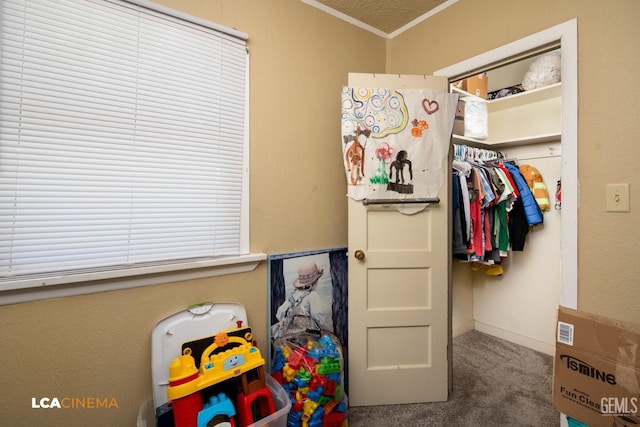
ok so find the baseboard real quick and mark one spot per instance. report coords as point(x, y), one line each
point(516, 338)
point(463, 328)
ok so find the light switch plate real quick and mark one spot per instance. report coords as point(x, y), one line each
point(618, 197)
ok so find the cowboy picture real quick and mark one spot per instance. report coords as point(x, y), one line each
point(308, 292)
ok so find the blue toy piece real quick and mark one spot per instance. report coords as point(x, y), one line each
point(317, 416)
point(315, 395)
point(217, 405)
point(330, 348)
point(317, 353)
point(288, 387)
point(278, 360)
point(294, 419)
point(335, 377)
point(315, 422)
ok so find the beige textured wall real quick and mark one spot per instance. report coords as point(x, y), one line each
point(608, 134)
point(99, 345)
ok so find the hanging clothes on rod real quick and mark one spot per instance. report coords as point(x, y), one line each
point(492, 210)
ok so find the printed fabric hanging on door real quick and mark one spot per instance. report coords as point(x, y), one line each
point(395, 143)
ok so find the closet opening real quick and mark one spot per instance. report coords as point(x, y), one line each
point(520, 305)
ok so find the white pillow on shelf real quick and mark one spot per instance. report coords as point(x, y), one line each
point(543, 71)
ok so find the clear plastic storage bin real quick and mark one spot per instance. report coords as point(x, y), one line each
point(147, 414)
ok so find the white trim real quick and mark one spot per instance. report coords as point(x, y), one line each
point(372, 29)
point(567, 34)
point(523, 340)
point(88, 283)
point(569, 250)
point(421, 18)
point(463, 328)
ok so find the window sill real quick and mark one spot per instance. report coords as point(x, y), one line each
point(89, 283)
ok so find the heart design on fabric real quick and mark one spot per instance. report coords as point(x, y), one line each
point(430, 106)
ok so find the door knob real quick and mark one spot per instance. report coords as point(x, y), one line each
point(359, 255)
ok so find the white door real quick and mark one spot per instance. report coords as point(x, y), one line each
point(398, 290)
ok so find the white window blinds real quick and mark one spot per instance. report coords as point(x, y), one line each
point(122, 138)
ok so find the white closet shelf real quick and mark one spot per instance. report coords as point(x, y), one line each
point(488, 143)
point(505, 113)
point(518, 99)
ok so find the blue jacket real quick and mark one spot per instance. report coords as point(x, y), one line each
point(531, 208)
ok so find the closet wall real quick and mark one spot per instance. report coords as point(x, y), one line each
point(520, 305)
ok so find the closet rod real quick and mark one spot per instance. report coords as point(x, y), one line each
point(461, 152)
point(367, 202)
point(549, 47)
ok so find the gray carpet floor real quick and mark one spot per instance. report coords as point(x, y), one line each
point(495, 383)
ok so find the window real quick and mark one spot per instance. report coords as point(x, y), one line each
point(122, 139)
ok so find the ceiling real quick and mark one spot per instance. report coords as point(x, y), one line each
point(386, 18)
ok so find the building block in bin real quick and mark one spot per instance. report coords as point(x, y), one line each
point(310, 363)
point(335, 377)
point(183, 372)
point(297, 406)
point(330, 388)
point(296, 357)
point(317, 381)
point(316, 420)
point(260, 400)
point(324, 400)
point(330, 406)
point(294, 419)
point(330, 348)
point(309, 407)
point(302, 378)
point(334, 419)
point(329, 365)
point(315, 395)
point(288, 373)
point(317, 415)
point(277, 375)
point(216, 406)
point(342, 407)
point(278, 360)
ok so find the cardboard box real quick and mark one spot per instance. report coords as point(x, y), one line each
point(476, 85)
point(596, 369)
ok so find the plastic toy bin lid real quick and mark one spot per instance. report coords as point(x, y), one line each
point(196, 322)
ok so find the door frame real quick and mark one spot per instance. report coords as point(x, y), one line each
point(567, 34)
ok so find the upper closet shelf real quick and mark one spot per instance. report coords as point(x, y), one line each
point(529, 117)
point(518, 99)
